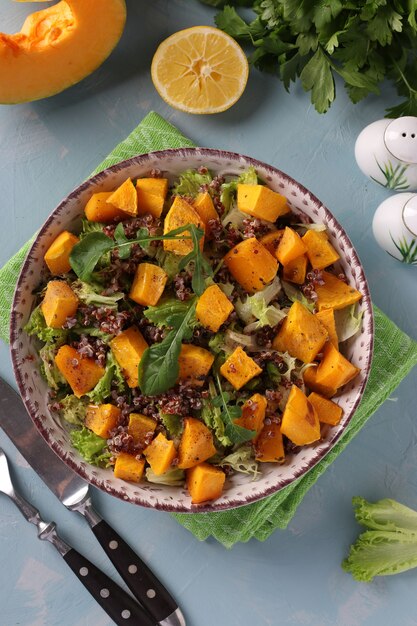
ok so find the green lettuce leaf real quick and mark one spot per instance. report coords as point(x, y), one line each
point(348, 322)
point(211, 416)
point(389, 547)
point(91, 295)
point(173, 423)
point(293, 294)
point(91, 447)
point(174, 477)
point(73, 410)
point(228, 190)
point(189, 183)
point(241, 460)
point(102, 390)
point(37, 326)
point(254, 307)
point(48, 367)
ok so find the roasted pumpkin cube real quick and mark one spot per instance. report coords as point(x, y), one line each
point(271, 240)
point(148, 284)
point(125, 198)
point(326, 317)
point(295, 270)
point(239, 368)
point(334, 369)
point(57, 257)
point(335, 294)
point(251, 265)
point(160, 453)
point(180, 214)
point(98, 209)
point(59, 303)
point(128, 467)
point(310, 376)
point(269, 447)
point(320, 251)
point(151, 195)
point(196, 444)
point(81, 373)
point(253, 414)
point(102, 418)
point(195, 364)
point(203, 205)
point(213, 308)
point(128, 348)
point(205, 482)
point(301, 334)
point(299, 420)
point(261, 202)
point(327, 411)
point(290, 247)
point(141, 428)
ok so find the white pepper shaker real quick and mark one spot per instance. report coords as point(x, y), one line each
point(395, 227)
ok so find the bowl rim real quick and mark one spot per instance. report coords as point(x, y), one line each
point(95, 180)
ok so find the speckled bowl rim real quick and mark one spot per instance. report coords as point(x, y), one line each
point(140, 160)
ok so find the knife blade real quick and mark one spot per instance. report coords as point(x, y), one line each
point(73, 492)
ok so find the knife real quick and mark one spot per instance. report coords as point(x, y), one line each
point(73, 492)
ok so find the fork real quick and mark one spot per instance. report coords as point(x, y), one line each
point(117, 603)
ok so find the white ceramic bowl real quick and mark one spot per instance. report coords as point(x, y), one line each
point(239, 490)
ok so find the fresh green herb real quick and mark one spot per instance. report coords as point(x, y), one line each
point(73, 410)
point(91, 447)
point(87, 253)
point(190, 182)
point(229, 413)
point(159, 366)
point(389, 547)
point(363, 42)
point(37, 326)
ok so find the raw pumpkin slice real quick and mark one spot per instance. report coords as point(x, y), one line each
point(57, 47)
point(200, 70)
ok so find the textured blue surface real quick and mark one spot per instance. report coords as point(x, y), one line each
point(294, 578)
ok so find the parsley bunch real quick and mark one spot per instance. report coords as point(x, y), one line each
point(364, 42)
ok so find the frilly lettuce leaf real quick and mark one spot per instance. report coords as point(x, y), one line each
point(242, 461)
point(249, 309)
point(189, 183)
point(73, 410)
point(174, 477)
point(91, 447)
point(113, 374)
point(48, 367)
point(295, 294)
point(348, 322)
point(228, 190)
point(37, 326)
point(89, 295)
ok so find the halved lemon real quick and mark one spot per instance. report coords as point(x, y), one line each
point(200, 70)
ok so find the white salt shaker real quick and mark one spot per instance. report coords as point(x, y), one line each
point(386, 152)
point(395, 227)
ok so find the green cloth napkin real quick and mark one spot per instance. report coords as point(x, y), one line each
point(394, 356)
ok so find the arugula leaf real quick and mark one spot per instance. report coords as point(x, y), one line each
point(168, 313)
point(229, 413)
point(125, 247)
point(159, 366)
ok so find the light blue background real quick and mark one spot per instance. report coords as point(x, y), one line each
point(294, 578)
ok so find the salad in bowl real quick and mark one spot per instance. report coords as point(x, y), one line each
point(193, 333)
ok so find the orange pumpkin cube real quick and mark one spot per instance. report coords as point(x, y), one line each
point(300, 422)
point(334, 369)
point(195, 363)
point(310, 380)
point(320, 251)
point(148, 284)
point(290, 247)
point(251, 265)
point(253, 414)
point(81, 373)
point(295, 270)
point(239, 368)
point(128, 348)
point(151, 194)
point(213, 308)
point(102, 419)
point(141, 428)
point(261, 202)
point(301, 334)
point(125, 198)
point(98, 209)
point(57, 257)
point(59, 303)
point(128, 467)
point(205, 482)
point(180, 214)
point(271, 240)
point(203, 205)
point(327, 411)
point(160, 453)
point(196, 444)
point(335, 294)
point(269, 446)
point(326, 317)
